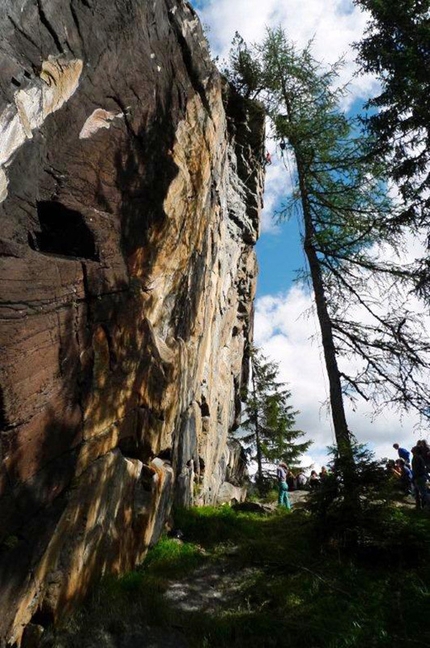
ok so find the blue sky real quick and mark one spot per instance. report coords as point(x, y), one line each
point(279, 257)
point(285, 325)
point(279, 249)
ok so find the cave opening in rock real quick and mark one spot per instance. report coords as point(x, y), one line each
point(63, 232)
point(204, 408)
point(42, 617)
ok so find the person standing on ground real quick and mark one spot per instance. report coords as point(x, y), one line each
point(291, 481)
point(403, 453)
point(393, 470)
point(419, 473)
point(323, 473)
point(425, 453)
point(283, 496)
point(301, 481)
point(406, 477)
point(314, 480)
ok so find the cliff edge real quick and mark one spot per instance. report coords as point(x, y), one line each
point(130, 192)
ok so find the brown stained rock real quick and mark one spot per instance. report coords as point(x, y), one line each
point(110, 511)
point(25, 450)
point(130, 189)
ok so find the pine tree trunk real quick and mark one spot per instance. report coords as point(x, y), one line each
point(342, 434)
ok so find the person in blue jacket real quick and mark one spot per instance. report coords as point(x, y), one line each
point(403, 453)
point(283, 496)
point(406, 478)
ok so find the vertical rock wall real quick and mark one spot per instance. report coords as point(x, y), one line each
point(130, 189)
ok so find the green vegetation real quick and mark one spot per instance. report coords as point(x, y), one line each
point(290, 582)
point(396, 49)
point(270, 419)
point(340, 195)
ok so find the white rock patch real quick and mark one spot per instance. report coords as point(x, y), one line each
point(59, 79)
point(100, 118)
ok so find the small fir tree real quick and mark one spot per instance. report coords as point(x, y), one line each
point(271, 418)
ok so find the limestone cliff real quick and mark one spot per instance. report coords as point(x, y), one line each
point(130, 190)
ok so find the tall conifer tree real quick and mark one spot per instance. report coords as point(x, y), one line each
point(396, 47)
point(341, 198)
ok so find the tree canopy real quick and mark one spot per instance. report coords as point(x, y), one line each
point(341, 195)
point(396, 47)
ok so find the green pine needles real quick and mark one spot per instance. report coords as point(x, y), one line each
point(270, 419)
point(341, 196)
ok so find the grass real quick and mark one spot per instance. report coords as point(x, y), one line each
point(297, 591)
point(172, 559)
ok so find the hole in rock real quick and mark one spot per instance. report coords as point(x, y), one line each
point(15, 82)
point(204, 407)
point(165, 454)
point(63, 232)
point(42, 617)
point(132, 448)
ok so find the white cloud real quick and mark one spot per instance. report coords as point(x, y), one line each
point(278, 185)
point(286, 329)
point(279, 181)
point(333, 25)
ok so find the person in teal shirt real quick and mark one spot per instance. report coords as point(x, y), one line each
point(283, 495)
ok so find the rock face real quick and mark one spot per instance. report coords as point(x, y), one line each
point(130, 190)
